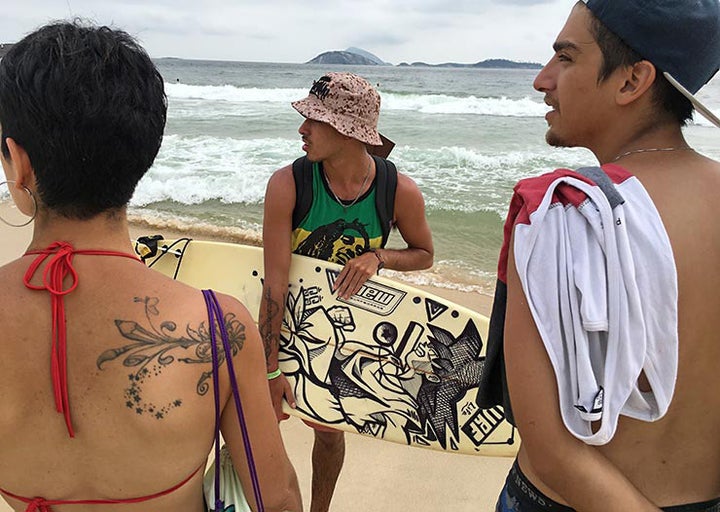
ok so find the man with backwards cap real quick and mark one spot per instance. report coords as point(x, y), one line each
point(342, 225)
point(604, 332)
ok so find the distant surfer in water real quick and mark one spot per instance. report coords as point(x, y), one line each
point(346, 220)
point(608, 279)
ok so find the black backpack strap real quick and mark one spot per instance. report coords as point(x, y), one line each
point(385, 183)
point(303, 175)
point(385, 188)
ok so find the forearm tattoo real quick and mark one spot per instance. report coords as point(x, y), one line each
point(157, 345)
point(272, 310)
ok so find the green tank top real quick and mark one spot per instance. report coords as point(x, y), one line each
point(332, 232)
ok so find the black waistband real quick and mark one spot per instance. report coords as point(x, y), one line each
point(533, 500)
point(705, 506)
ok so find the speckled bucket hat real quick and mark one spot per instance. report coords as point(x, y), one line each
point(347, 102)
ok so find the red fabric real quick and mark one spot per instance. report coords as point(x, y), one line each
point(529, 193)
point(57, 269)
point(42, 505)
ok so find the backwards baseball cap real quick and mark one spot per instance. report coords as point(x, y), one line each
point(680, 37)
point(347, 102)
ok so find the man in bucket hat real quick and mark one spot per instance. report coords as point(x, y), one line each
point(603, 345)
point(336, 204)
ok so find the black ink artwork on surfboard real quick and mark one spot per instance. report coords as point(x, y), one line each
point(392, 362)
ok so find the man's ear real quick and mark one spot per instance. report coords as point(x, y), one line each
point(638, 79)
point(21, 165)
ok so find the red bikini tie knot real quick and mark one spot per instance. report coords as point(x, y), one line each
point(38, 505)
point(57, 269)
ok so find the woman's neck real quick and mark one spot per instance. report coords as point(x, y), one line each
point(104, 231)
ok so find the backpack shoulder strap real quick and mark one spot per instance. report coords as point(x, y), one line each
point(302, 173)
point(386, 186)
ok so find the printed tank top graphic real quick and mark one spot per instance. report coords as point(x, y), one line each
point(331, 232)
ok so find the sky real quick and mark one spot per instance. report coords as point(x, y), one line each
point(432, 31)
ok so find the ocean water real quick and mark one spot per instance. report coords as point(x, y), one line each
point(464, 135)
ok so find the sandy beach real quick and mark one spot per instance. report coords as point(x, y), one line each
point(377, 476)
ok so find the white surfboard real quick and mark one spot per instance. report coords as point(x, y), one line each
point(392, 362)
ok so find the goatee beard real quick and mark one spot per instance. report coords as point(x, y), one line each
point(553, 140)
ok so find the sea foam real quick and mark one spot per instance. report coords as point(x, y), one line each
point(424, 103)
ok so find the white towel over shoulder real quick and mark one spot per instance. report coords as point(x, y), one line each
point(602, 287)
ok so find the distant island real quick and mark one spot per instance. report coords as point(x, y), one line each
point(360, 57)
point(353, 56)
point(344, 58)
point(488, 63)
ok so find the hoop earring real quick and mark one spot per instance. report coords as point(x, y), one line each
point(34, 201)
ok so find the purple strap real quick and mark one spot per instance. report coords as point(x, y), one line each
point(215, 317)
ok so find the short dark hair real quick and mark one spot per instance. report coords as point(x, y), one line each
point(89, 107)
point(616, 53)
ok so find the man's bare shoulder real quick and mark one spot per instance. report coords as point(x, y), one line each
point(698, 177)
point(712, 165)
point(406, 185)
point(287, 169)
point(280, 193)
point(703, 161)
point(282, 177)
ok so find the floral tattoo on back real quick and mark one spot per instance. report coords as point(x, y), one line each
point(158, 344)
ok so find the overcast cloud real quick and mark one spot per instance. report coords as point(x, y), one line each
point(432, 31)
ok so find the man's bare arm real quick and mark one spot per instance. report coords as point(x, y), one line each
point(277, 226)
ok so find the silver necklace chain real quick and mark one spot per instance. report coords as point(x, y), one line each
point(651, 150)
point(346, 206)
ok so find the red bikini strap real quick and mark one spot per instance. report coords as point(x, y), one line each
point(42, 505)
point(57, 269)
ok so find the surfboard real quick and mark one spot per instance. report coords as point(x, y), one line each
point(392, 362)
